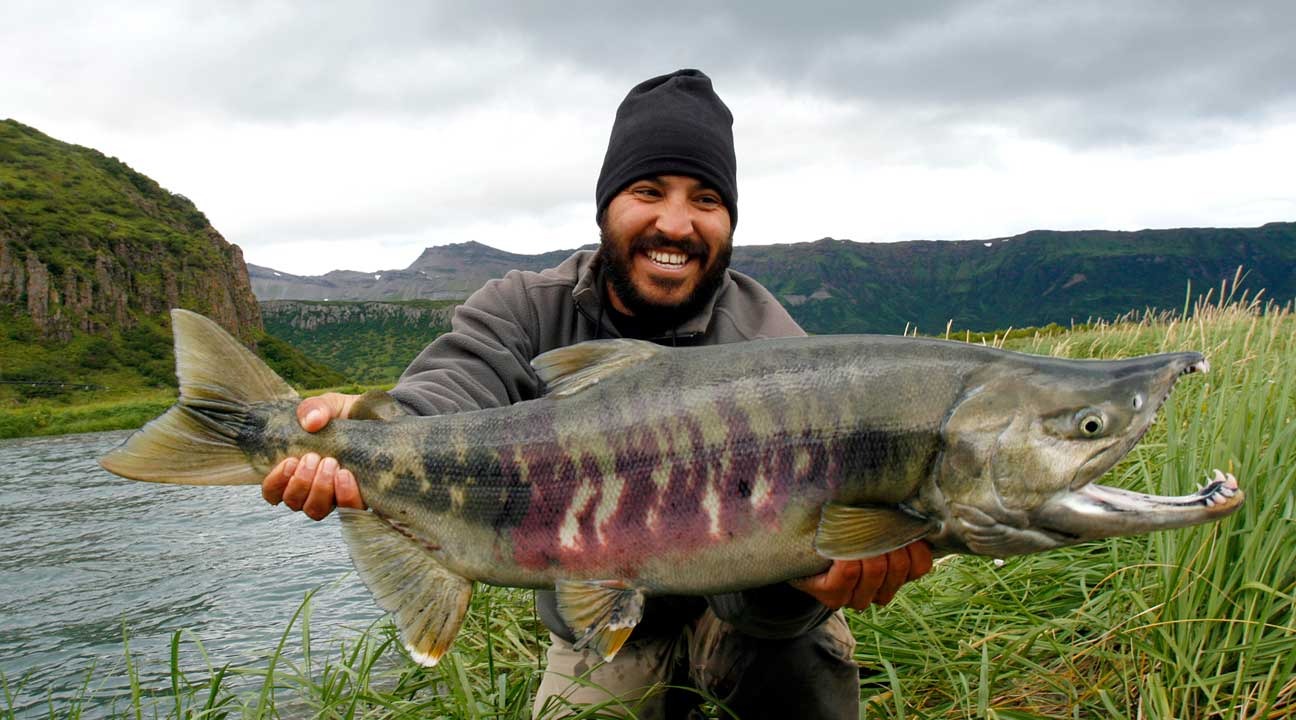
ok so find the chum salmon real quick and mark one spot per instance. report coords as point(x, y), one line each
point(690, 471)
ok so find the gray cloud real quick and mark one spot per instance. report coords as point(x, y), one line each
point(1085, 72)
point(295, 122)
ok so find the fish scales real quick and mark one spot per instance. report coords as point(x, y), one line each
point(706, 497)
point(692, 470)
point(532, 481)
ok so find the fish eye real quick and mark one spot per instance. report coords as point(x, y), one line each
point(1138, 401)
point(1090, 423)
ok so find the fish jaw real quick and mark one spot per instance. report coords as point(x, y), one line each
point(1097, 511)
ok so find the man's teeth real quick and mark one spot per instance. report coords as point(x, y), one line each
point(667, 258)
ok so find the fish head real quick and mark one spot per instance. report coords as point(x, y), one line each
point(1031, 435)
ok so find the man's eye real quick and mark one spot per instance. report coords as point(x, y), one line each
point(709, 199)
point(646, 191)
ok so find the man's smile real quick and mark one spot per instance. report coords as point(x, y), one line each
point(669, 262)
point(667, 258)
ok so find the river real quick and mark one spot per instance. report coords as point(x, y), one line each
point(84, 554)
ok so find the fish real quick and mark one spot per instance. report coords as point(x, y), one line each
point(648, 470)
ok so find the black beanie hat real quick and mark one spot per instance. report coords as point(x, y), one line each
point(671, 125)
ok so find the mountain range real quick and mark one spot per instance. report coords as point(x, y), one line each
point(831, 285)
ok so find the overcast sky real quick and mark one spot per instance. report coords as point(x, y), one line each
point(350, 135)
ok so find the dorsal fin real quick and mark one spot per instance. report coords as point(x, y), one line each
point(566, 371)
point(376, 405)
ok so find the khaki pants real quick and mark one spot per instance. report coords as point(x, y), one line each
point(809, 676)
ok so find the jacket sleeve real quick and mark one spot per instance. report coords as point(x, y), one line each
point(772, 612)
point(483, 362)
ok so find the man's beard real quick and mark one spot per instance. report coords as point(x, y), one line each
point(617, 259)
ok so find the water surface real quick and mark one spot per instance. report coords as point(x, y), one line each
point(84, 553)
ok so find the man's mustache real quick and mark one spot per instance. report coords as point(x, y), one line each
point(658, 241)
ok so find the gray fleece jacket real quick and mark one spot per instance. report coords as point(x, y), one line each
point(485, 362)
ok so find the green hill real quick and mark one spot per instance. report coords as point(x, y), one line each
point(369, 342)
point(92, 256)
point(1037, 278)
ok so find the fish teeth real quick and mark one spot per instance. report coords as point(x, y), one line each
point(1222, 487)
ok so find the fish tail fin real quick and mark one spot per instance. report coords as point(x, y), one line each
point(195, 442)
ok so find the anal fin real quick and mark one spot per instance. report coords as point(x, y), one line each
point(601, 614)
point(851, 532)
point(427, 601)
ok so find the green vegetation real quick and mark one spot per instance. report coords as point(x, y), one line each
point(61, 196)
point(1193, 623)
point(92, 255)
point(108, 382)
point(46, 417)
point(369, 342)
point(76, 414)
point(294, 366)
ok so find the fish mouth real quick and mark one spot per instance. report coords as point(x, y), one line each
point(1097, 511)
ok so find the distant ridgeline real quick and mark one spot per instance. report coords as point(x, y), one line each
point(92, 256)
point(368, 342)
point(1032, 279)
point(835, 286)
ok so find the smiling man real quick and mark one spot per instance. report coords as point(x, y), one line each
point(666, 205)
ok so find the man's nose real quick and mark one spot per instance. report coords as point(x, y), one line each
point(675, 220)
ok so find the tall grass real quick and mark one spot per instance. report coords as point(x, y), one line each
point(1192, 623)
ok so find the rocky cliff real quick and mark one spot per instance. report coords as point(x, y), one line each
point(89, 245)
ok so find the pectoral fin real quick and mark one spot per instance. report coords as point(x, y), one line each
point(427, 602)
point(601, 614)
point(849, 532)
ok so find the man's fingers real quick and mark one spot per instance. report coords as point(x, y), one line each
point(835, 586)
point(897, 573)
point(316, 412)
point(347, 491)
point(299, 484)
point(319, 503)
point(873, 573)
point(875, 580)
point(920, 559)
point(272, 488)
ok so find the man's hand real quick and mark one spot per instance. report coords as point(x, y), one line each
point(872, 581)
point(310, 483)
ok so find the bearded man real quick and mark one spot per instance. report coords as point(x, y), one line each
point(666, 204)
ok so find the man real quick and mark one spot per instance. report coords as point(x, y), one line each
point(666, 206)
